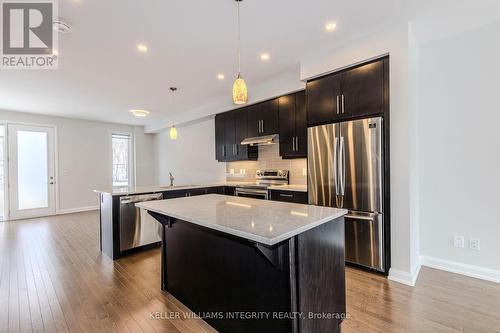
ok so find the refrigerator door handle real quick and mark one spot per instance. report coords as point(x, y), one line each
point(336, 165)
point(342, 165)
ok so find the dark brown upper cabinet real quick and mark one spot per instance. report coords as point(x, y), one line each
point(230, 130)
point(220, 148)
point(263, 118)
point(322, 97)
point(352, 93)
point(241, 133)
point(292, 125)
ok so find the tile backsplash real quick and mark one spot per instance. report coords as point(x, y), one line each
point(269, 158)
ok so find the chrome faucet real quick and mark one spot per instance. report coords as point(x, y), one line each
point(171, 179)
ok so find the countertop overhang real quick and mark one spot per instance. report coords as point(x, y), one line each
point(262, 221)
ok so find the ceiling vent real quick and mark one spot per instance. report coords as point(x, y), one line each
point(61, 27)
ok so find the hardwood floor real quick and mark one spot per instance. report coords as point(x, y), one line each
point(54, 279)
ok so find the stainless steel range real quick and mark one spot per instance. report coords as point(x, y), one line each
point(264, 179)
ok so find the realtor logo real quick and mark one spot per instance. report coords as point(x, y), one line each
point(28, 40)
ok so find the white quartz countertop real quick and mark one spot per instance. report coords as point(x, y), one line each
point(161, 188)
point(295, 188)
point(262, 221)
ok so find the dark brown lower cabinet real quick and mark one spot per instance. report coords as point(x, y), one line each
point(289, 196)
point(221, 277)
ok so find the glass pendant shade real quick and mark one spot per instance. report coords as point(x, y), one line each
point(173, 133)
point(240, 93)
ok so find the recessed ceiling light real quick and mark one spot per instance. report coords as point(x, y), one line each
point(264, 56)
point(220, 76)
point(331, 26)
point(142, 48)
point(139, 113)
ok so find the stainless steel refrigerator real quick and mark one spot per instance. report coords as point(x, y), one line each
point(345, 170)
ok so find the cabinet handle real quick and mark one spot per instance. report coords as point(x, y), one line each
point(343, 104)
point(223, 150)
point(296, 143)
point(236, 148)
point(338, 104)
point(286, 195)
point(262, 122)
point(293, 143)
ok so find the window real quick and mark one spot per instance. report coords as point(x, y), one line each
point(121, 145)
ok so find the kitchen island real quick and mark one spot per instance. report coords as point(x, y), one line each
point(249, 265)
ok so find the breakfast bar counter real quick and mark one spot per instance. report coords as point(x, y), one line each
point(249, 265)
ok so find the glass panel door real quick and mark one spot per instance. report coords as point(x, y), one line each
point(2, 174)
point(31, 171)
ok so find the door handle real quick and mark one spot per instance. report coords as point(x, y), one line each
point(338, 104)
point(342, 165)
point(359, 217)
point(336, 165)
point(343, 104)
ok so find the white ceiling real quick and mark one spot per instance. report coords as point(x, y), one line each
point(101, 75)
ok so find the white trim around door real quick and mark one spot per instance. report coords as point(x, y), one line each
point(32, 170)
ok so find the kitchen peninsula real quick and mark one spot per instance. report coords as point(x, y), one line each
point(249, 265)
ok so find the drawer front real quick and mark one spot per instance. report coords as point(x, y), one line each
point(174, 194)
point(228, 190)
point(289, 196)
point(215, 190)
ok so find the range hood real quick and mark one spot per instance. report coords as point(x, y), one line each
point(260, 140)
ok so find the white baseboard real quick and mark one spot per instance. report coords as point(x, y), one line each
point(405, 277)
point(460, 268)
point(76, 210)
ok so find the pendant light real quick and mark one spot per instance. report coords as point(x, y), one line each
point(173, 130)
point(240, 93)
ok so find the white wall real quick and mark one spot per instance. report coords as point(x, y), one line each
point(459, 145)
point(190, 158)
point(394, 41)
point(84, 156)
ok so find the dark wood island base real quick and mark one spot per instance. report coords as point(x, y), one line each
point(239, 285)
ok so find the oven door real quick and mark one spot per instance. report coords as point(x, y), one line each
point(251, 193)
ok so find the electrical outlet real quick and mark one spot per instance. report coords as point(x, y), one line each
point(459, 241)
point(475, 244)
point(304, 172)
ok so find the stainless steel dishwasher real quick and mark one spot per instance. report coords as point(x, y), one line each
point(137, 227)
